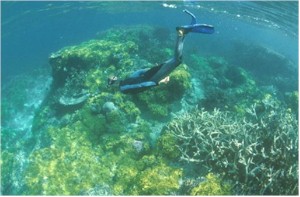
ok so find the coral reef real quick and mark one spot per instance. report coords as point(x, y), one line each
point(116, 163)
point(165, 146)
point(149, 40)
point(158, 100)
point(68, 166)
point(211, 186)
point(6, 164)
point(268, 66)
point(90, 139)
point(292, 99)
point(160, 180)
point(225, 86)
point(261, 152)
point(94, 53)
point(145, 178)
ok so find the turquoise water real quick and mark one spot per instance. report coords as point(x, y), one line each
point(225, 123)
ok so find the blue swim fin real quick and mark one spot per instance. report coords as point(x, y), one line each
point(194, 27)
point(203, 28)
point(192, 15)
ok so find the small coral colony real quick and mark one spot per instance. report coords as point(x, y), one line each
point(218, 127)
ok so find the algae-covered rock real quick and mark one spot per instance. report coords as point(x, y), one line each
point(73, 100)
point(154, 43)
point(68, 167)
point(225, 86)
point(158, 100)
point(94, 53)
point(269, 67)
point(6, 164)
point(160, 180)
point(108, 107)
point(166, 145)
point(211, 186)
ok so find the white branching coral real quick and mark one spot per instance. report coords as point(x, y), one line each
point(259, 153)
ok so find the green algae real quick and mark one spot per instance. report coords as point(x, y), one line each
point(68, 166)
point(159, 180)
point(6, 165)
point(211, 186)
point(158, 100)
point(94, 53)
point(73, 160)
point(165, 146)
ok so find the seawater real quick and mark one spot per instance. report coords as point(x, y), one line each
point(244, 32)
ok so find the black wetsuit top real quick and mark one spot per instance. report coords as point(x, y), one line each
point(152, 77)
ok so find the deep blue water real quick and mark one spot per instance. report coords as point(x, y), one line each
point(32, 30)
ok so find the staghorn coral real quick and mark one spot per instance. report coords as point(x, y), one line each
point(292, 99)
point(259, 153)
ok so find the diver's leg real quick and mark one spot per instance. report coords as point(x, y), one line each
point(179, 45)
point(138, 73)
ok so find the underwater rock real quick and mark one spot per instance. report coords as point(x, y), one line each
point(108, 107)
point(67, 101)
point(137, 145)
point(98, 190)
point(268, 66)
point(195, 93)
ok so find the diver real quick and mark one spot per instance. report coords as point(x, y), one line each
point(144, 79)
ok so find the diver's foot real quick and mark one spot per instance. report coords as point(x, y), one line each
point(111, 80)
point(164, 80)
point(183, 30)
point(197, 28)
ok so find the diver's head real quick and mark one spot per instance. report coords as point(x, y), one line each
point(112, 80)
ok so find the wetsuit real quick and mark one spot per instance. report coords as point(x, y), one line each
point(144, 79)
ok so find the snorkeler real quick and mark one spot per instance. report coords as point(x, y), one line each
point(144, 79)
